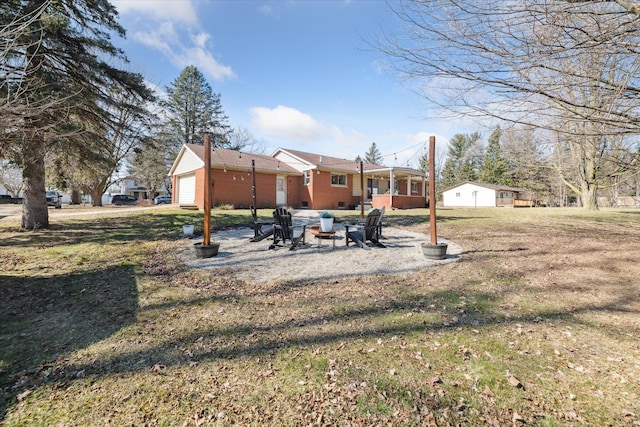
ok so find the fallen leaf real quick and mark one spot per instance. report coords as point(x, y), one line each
point(24, 395)
point(434, 380)
point(516, 417)
point(487, 392)
point(514, 382)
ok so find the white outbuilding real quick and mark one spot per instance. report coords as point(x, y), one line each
point(478, 194)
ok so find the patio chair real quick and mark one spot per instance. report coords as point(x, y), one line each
point(283, 229)
point(367, 232)
point(258, 232)
point(362, 222)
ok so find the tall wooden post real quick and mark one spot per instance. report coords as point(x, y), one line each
point(432, 189)
point(361, 191)
point(206, 241)
point(253, 184)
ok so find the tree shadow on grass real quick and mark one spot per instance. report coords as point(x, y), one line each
point(259, 337)
point(143, 227)
point(42, 320)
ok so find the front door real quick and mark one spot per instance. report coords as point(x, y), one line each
point(281, 190)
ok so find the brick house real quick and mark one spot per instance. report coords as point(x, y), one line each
point(334, 183)
point(293, 178)
point(232, 178)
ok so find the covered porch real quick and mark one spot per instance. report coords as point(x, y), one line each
point(395, 188)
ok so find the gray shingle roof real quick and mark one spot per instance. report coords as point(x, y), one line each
point(233, 159)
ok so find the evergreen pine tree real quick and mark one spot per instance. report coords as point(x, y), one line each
point(461, 162)
point(193, 110)
point(424, 163)
point(495, 169)
point(61, 57)
point(373, 155)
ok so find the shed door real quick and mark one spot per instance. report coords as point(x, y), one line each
point(187, 190)
point(281, 190)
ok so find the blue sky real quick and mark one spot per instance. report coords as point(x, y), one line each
point(296, 74)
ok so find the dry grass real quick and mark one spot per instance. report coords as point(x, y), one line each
point(538, 324)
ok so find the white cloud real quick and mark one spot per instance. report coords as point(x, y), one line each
point(205, 61)
point(167, 40)
point(289, 127)
point(288, 123)
point(200, 40)
point(159, 39)
point(175, 10)
point(169, 32)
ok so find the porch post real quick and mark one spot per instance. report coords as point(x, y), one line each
point(361, 191)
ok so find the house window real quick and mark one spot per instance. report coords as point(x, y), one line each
point(414, 187)
point(457, 194)
point(307, 177)
point(338, 180)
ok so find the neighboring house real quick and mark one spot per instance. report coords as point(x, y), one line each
point(478, 194)
point(292, 178)
point(127, 185)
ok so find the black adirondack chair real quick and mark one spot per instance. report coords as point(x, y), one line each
point(369, 232)
point(284, 230)
point(261, 229)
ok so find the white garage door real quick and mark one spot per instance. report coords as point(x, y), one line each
point(187, 190)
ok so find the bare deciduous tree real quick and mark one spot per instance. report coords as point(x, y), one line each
point(90, 160)
point(10, 178)
point(568, 68)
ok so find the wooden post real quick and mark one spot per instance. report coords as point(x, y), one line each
point(432, 189)
point(206, 241)
point(253, 184)
point(361, 191)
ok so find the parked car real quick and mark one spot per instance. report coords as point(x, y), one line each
point(54, 199)
point(123, 199)
point(162, 199)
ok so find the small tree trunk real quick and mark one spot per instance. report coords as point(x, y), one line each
point(34, 202)
point(96, 197)
point(76, 199)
